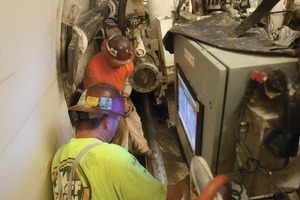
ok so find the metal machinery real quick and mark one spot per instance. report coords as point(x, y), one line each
point(145, 24)
point(142, 22)
point(240, 134)
point(86, 24)
point(218, 77)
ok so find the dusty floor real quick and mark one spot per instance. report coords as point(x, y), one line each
point(171, 151)
point(175, 165)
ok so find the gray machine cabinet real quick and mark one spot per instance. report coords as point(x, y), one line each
point(219, 79)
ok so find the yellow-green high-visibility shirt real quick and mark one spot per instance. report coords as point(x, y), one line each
point(105, 172)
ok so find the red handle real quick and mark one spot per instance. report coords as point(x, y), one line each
point(213, 187)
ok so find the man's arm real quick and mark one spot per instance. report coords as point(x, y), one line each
point(127, 89)
point(180, 190)
point(126, 93)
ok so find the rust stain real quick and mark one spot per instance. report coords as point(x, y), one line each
point(6, 78)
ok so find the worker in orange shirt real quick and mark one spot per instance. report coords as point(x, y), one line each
point(113, 65)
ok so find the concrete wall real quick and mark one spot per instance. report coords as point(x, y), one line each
point(34, 120)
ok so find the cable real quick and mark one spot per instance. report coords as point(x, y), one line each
point(253, 164)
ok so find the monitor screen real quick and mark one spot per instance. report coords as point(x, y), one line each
point(190, 112)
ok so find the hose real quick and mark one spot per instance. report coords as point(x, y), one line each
point(156, 166)
point(121, 15)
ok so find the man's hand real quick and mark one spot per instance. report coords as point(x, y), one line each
point(126, 106)
point(125, 95)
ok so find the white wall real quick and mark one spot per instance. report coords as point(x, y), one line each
point(34, 119)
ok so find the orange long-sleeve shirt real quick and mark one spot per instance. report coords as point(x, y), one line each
point(98, 70)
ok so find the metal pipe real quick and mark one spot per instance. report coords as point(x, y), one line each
point(121, 15)
point(139, 46)
point(72, 63)
point(155, 166)
point(90, 23)
point(146, 75)
point(83, 32)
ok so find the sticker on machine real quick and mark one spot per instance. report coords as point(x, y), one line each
point(190, 58)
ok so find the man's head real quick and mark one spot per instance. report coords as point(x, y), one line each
point(117, 50)
point(99, 102)
point(100, 98)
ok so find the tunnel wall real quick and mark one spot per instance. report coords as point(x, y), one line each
point(34, 120)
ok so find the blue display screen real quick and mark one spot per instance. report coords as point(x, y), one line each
point(188, 109)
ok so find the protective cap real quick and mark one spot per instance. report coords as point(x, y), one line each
point(101, 98)
point(118, 49)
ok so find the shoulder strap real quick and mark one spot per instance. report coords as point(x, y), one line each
point(74, 166)
point(73, 169)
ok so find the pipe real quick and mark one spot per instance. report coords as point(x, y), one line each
point(155, 166)
point(139, 46)
point(84, 31)
point(121, 15)
point(72, 63)
point(145, 76)
point(90, 23)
